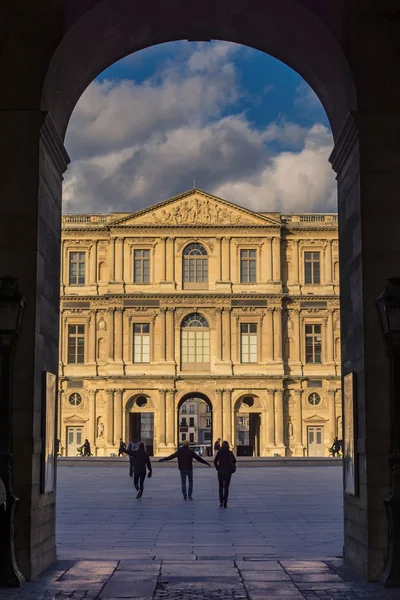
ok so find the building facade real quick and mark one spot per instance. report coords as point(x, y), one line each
point(199, 302)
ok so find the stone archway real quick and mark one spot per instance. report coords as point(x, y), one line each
point(250, 426)
point(195, 422)
point(139, 421)
point(48, 58)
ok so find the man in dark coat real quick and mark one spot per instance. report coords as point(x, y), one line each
point(185, 458)
point(140, 460)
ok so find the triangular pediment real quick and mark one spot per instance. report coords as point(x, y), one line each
point(195, 208)
point(76, 419)
point(315, 418)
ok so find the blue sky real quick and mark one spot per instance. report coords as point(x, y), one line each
point(243, 124)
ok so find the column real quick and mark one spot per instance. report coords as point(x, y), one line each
point(219, 241)
point(60, 432)
point(271, 418)
point(298, 423)
point(226, 259)
point(110, 417)
point(170, 419)
point(270, 334)
point(171, 335)
point(118, 258)
point(118, 415)
point(271, 260)
point(163, 333)
point(170, 259)
point(330, 344)
point(112, 259)
point(219, 333)
point(276, 258)
point(118, 333)
point(264, 262)
point(110, 328)
point(93, 264)
point(165, 259)
point(92, 337)
point(278, 333)
point(92, 419)
point(227, 338)
point(329, 274)
point(162, 439)
point(217, 415)
point(296, 264)
point(226, 416)
point(279, 433)
point(332, 416)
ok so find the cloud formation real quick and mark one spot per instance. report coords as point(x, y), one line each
point(134, 144)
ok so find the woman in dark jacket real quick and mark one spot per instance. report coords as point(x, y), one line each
point(141, 460)
point(225, 464)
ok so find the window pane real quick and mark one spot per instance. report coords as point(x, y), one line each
point(253, 327)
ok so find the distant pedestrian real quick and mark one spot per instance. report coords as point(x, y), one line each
point(122, 447)
point(86, 448)
point(133, 445)
point(217, 446)
point(225, 463)
point(185, 456)
point(140, 460)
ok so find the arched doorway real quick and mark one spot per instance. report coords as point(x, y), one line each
point(139, 421)
point(195, 422)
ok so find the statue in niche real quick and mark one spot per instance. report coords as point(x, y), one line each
point(100, 429)
point(102, 324)
point(290, 430)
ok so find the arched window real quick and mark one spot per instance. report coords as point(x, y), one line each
point(195, 342)
point(195, 266)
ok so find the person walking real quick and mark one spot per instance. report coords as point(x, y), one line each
point(122, 447)
point(140, 460)
point(185, 456)
point(133, 445)
point(225, 463)
point(217, 446)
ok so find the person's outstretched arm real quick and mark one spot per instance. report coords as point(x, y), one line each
point(130, 452)
point(148, 464)
point(199, 459)
point(170, 457)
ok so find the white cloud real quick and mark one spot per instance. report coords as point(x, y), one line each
point(135, 144)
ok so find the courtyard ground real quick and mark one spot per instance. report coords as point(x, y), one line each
point(280, 537)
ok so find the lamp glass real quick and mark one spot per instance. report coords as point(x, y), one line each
point(9, 315)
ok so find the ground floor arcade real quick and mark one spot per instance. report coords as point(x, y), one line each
point(258, 417)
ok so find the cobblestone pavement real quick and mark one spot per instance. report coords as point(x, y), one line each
point(274, 541)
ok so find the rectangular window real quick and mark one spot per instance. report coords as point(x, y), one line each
point(208, 422)
point(312, 267)
point(183, 437)
point(76, 344)
point(207, 436)
point(191, 421)
point(248, 342)
point(184, 423)
point(141, 266)
point(183, 409)
point(248, 266)
point(141, 343)
point(191, 438)
point(191, 409)
point(313, 344)
point(195, 349)
point(77, 262)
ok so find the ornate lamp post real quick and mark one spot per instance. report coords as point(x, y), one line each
point(11, 309)
point(388, 304)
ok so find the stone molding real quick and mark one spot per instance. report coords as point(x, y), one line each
point(54, 144)
point(344, 145)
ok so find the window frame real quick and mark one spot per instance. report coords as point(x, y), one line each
point(248, 335)
point(141, 336)
point(247, 261)
point(195, 365)
point(76, 336)
point(313, 335)
point(141, 260)
point(312, 262)
point(77, 262)
point(200, 263)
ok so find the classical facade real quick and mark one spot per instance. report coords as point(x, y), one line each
point(199, 302)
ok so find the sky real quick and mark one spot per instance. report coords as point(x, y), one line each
point(221, 117)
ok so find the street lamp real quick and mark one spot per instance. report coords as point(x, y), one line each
point(388, 304)
point(11, 309)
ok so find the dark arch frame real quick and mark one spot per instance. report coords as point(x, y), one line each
point(190, 396)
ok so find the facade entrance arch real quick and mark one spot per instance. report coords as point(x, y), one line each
point(195, 422)
point(140, 421)
point(50, 56)
point(250, 426)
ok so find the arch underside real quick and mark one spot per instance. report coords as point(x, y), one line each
point(113, 29)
